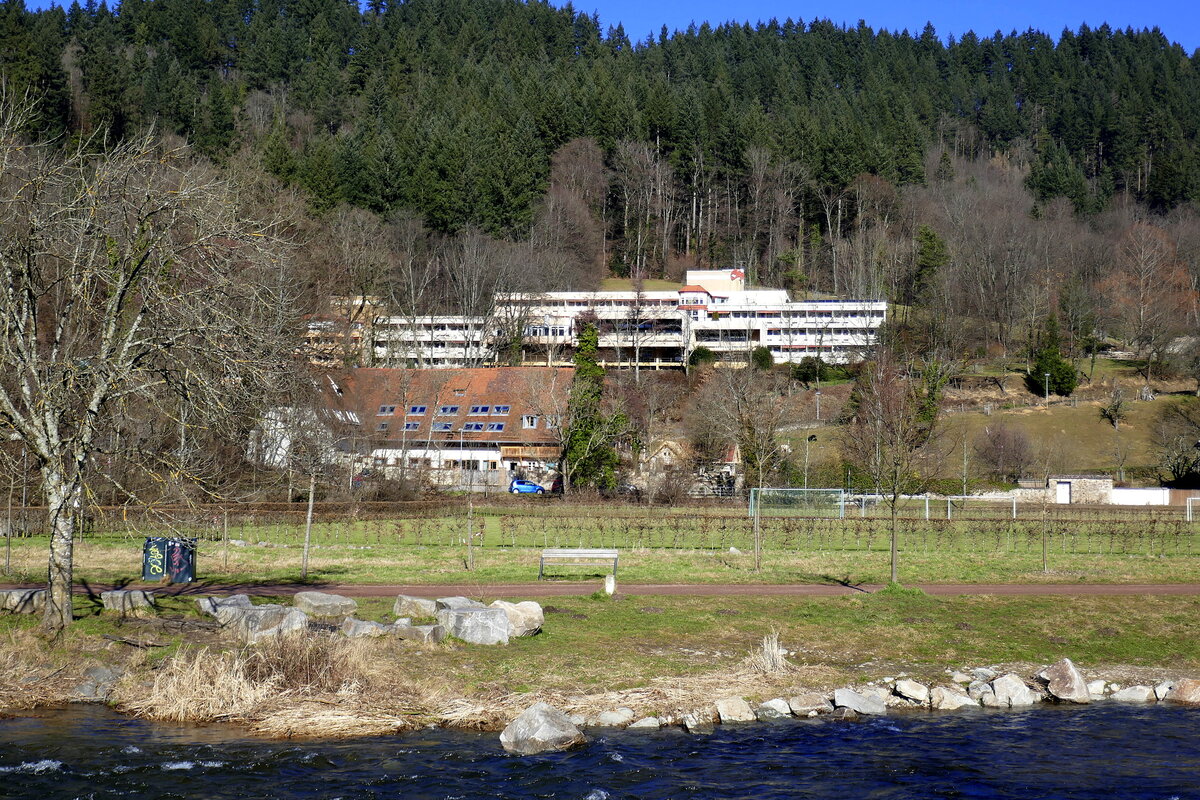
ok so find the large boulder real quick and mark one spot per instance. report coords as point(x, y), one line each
point(409, 606)
point(475, 625)
point(98, 683)
point(524, 619)
point(1184, 691)
point(224, 609)
point(946, 699)
point(1065, 682)
point(734, 709)
point(1135, 694)
point(911, 690)
point(809, 704)
point(538, 729)
point(261, 622)
point(615, 719)
point(425, 634)
point(698, 724)
point(858, 702)
point(645, 724)
point(128, 602)
point(325, 607)
point(773, 709)
point(456, 602)
point(1011, 692)
point(23, 601)
point(359, 629)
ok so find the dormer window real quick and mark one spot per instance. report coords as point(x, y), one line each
point(447, 411)
point(499, 411)
point(416, 411)
point(385, 411)
point(480, 409)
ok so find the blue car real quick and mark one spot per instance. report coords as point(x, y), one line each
point(525, 487)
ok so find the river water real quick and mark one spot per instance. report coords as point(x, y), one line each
point(1105, 751)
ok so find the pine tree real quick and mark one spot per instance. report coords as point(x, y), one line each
point(1050, 370)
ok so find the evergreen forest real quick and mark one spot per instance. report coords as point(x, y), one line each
point(431, 151)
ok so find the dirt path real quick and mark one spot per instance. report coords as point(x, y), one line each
point(564, 588)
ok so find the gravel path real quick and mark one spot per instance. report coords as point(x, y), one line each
point(567, 588)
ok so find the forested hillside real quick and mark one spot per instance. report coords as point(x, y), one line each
point(994, 180)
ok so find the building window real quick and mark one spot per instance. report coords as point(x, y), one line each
point(479, 409)
point(383, 426)
point(417, 411)
point(529, 421)
point(495, 426)
point(412, 426)
point(473, 426)
point(441, 426)
point(498, 411)
point(385, 411)
point(446, 411)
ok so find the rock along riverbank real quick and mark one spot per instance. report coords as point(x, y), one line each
point(766, 687)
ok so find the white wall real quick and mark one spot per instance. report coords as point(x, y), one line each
point(1141, 497)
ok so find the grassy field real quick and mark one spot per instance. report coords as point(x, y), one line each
point(664, 546)
point(1063, 438)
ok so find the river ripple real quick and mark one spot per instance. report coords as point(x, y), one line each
point(1105, 751)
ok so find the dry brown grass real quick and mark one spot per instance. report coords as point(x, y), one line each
point(313, 684)
point(31, 674)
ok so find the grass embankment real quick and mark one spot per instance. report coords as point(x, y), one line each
point(1096, 545)
point(660, 655)
point(1065, 437)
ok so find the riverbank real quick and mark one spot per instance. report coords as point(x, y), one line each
point(662, 656)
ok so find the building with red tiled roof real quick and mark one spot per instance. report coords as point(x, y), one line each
point(468, 428)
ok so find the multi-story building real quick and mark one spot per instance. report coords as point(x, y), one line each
point(470, 429)
point(650, 329)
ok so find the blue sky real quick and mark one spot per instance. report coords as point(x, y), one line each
point(1178, 19)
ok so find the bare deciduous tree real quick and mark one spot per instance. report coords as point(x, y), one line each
point(129, 283)
point(1004, 450)
point(891, 436)
point(1149, 293)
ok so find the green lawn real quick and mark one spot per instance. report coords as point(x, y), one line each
point(658, 547)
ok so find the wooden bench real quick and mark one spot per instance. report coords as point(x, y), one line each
point(578, 557)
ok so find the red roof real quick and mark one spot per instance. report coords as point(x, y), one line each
point(694, 289)
point(431, 399)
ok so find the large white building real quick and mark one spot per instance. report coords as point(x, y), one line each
point(653, 329)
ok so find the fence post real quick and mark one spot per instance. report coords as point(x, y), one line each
point(225, 540)
point(927, 506)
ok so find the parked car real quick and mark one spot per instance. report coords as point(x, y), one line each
point(525, 487)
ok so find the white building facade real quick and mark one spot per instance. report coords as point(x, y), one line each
point(650, 329)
